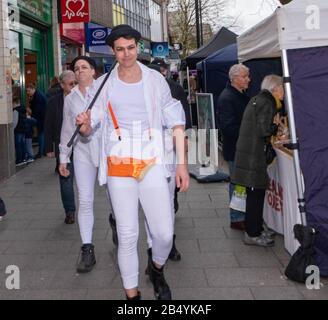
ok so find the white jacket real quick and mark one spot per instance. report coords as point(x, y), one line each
point(86, 149)
point(162, 109)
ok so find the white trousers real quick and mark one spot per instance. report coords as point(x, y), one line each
point(153, 193)
point(172, 184)
point(85, 175)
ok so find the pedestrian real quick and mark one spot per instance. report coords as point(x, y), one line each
point(231, 106)
point(86, 155)
point(130, 110)
point(250, 170)
point(54, 88)
point(19, 123)
point(30, 125)
point(53, 124)
point(38, 105)
point(3, 210)
point(179, 94)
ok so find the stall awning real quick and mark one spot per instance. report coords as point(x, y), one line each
point(299, 24)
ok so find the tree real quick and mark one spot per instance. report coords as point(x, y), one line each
point(182, 21)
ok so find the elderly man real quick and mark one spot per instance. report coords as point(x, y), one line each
point(53, 125)
point(232, 103)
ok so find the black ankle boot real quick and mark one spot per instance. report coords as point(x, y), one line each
point(87, 259)
point(137, 297)
point(161, 288)
point(174, 255)
point(150, 259)
point(112, 223)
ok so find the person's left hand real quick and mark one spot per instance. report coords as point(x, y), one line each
point(182, 177)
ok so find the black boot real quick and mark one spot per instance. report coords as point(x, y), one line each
point(174, 255)
point(87, 259)
point(150, 259)
point(137, 297)
point(161, 288)
point(112, 224)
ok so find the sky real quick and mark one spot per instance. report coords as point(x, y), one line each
point(247, 13)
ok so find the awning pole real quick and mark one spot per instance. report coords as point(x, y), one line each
point(294, 142)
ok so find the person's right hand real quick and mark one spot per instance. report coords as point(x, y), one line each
point(84, 120)
point(63, 170)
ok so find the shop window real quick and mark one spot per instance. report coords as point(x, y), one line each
point(15, 64)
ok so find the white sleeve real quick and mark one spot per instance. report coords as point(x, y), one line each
point(172, 110)
point(67, 131)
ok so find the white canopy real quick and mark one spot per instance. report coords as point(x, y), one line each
point(299, 24)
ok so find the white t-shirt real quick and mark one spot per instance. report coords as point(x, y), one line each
point(129, 107)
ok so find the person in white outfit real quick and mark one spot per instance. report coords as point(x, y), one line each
point(135, 106)
point(86, 154)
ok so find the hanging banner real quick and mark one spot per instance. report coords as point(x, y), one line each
point(73, 11)
point(273, 202)
point(160, 49)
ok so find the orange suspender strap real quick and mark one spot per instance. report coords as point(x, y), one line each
point(117, 128)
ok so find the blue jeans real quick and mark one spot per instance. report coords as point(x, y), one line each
point(29, 149)
point(67, 191)
point(235, 215)
point(20, 147)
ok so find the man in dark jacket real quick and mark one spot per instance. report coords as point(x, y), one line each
point(231, 106)
point(38, 106)
point(53, 125)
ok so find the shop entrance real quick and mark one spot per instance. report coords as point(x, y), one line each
point(31, 68)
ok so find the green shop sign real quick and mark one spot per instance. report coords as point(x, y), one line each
point(38, 9)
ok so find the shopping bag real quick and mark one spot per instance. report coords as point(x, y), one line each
point(238, 199)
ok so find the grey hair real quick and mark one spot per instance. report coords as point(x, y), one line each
point(235, 70)
point(65, 74)
point(271, 82)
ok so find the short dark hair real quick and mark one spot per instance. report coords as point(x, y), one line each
point(122, 31)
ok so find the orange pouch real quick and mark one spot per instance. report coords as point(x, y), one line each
point(128, 167)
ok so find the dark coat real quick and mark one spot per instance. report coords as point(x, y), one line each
point(53, 91)
point(53, 123)
point(21, 124)
point(231, 107)
point(38, 106)
point(256, 129)
point(178, 93)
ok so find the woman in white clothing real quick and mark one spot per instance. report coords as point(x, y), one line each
point(85, 158)
point(135, 104)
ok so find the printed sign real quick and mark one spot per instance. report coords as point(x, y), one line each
point(75, 11)
point(160, 49)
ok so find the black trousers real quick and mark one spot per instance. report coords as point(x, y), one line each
point(254, 211)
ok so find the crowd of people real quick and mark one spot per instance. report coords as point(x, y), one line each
point(133, 142)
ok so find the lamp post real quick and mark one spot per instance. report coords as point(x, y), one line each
point(197, 23)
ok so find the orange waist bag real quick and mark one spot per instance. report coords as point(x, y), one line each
point(126, 167)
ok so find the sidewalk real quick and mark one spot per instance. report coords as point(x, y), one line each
point(215, 263)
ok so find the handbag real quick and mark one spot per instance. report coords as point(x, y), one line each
point(126, 166)
point(270, 153)
point(238, 199)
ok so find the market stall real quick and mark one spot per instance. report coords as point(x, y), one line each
point(302, 43)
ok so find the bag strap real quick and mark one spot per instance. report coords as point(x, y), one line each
point(115, 123)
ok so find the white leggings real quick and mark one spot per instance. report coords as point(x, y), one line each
point(153, 193)
point(85, 175)
point(172, 184)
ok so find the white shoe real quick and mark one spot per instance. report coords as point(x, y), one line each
point(1, 218)
point(261, 240)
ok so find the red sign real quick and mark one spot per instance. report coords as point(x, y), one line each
point(75, 11)
point(73, 31)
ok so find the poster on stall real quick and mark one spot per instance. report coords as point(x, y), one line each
point(274, 198)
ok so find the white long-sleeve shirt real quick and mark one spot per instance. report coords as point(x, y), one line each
point(162, 111)
point(86, 149)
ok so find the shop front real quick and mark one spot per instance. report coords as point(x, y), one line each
point(30, 45)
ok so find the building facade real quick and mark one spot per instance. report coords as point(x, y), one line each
point(35, 46)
